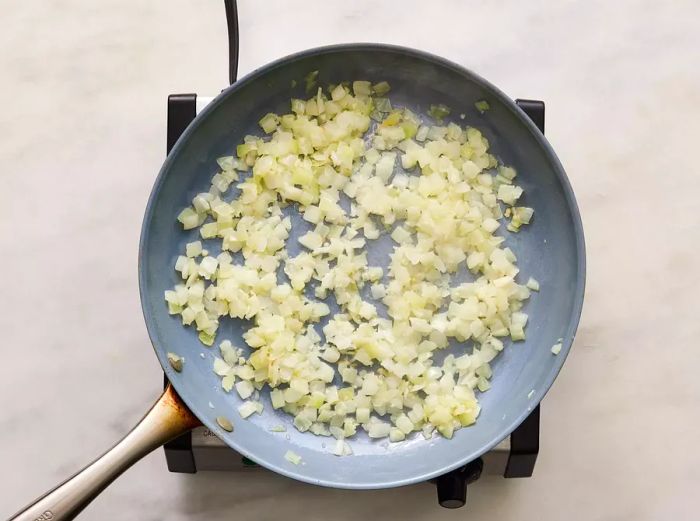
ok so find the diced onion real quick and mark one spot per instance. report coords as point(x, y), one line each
point(292, 457)
point(342, 448)
point(248, 408)
point(482, 106)
point(434, 189)
point(533, 284)
point(244, 389)
point(193, 249)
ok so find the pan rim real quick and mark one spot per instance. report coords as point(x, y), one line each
point(577, 298)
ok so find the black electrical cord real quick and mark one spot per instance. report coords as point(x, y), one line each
point(232, 26)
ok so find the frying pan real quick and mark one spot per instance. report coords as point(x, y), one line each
point(551, 249)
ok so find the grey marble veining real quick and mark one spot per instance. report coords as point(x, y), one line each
point(84, 86)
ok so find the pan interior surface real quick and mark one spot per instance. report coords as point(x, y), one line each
point(550, 249)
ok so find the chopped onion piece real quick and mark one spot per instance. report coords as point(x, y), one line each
point(439, 112)
point(533, 284)
point(292, 457)
point(342, 448)
point(378, 429)
point(248, 408)
point(193, 249)
point(244, 389)
point(381, 88)
point(189, 218)
point(396, 435)
point(482, 106)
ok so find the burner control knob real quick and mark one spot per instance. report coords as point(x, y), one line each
point(452, 487)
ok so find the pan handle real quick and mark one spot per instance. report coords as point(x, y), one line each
point(167, 419)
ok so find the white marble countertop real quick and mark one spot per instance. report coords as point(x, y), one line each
point(621, 80)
